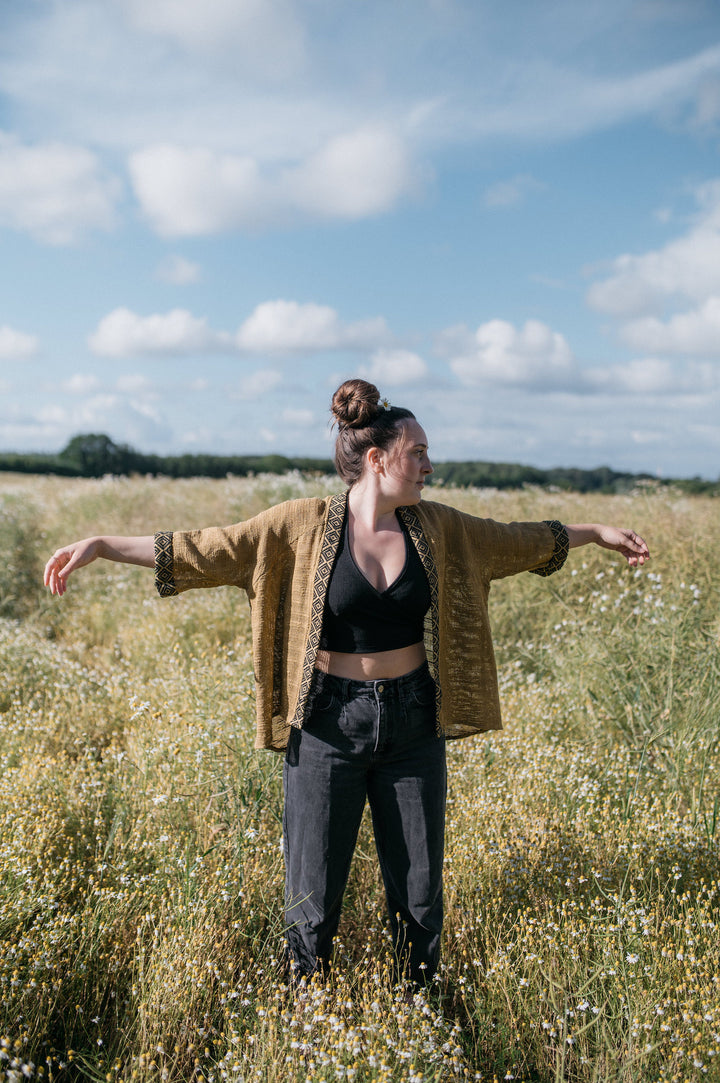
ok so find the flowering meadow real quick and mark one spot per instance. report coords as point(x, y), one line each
point(140, 859)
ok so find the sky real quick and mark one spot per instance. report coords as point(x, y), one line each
point(506, 215)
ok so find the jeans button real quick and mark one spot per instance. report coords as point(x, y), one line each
point(381, 688)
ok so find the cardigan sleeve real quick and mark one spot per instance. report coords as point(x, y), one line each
point(490, 549)
point(239, 555)
point(212, 557)
point(508, 548)
point(220, 556)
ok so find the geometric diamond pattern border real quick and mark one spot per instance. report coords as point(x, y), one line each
point(329, 548)
point(560, 552)
point(432, 622)
point(164, 579)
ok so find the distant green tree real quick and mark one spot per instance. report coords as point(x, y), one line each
point(94, 454)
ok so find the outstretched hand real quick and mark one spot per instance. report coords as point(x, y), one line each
point(626, 542)
point(66, 560)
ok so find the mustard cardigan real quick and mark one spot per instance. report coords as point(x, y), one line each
point(283, 558)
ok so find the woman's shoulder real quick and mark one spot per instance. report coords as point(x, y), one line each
point(438, 519)
point(433, 513)
point(444, 515)
point(298, 515)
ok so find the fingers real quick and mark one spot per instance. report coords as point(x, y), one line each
point(637, 542)
point(636, 551)
point(58, 568)
point(52, 576)
point(639, 546)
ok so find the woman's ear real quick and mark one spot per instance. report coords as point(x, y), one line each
point(376, 460)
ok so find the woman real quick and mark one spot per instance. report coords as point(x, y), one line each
point(371, 647)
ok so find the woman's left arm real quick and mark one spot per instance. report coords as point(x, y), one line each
point(626, 542)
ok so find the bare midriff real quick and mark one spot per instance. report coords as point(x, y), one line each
point(385, 665)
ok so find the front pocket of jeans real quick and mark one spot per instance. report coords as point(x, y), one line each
point(326, 710)
point(325, 701)
point(424, 695)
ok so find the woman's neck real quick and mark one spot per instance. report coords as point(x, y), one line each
point(368, 506)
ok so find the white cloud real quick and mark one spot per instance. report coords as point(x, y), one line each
point(16, 345)
point(101, 412)
point(298, 419)
point(273, 327)
point(138, 421)
point(289, 327)
point(264, 34)
point(192, 192)
point(51, 425)
point(395, 368)
point(123, 333)
point(262, 76)
point(509, 193)
point(178, 271)
point(354, 175)
point(696, 333)
point(707, 104)
point(543, 99)
point(644, 376)
point(653, 376)
point(133, 383)
point(643, 437)
point(54, 191)
point(537, 359)
point(686, 268)
point(187, 192)
point(644, 288)
point(498, 353)
point(90, 73)
point(52, 413)
point(259, 383)
point(82, 383)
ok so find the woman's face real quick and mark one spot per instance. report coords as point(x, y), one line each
point(406, 464)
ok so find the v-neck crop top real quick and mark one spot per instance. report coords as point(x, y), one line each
point(359, 619)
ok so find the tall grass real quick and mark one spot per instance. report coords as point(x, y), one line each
point(140, 864)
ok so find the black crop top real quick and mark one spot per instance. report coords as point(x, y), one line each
point(359, 619)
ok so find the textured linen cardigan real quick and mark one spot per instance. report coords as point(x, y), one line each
point(283, 558)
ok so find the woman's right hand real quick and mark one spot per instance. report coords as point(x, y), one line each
point(140, 550)
point(66, 560)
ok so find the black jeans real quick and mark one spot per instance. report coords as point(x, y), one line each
point(374, 740)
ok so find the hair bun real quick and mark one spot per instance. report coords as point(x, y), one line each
point(355, 404)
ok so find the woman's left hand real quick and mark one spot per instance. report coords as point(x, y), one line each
point(626, 542)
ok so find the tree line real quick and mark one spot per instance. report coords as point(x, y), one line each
point(93, 455)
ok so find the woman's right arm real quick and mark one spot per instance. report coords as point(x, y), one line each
point(79, 553)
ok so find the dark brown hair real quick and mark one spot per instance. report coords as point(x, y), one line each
point(363, 422)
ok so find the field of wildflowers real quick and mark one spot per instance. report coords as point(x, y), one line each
point(140, 863)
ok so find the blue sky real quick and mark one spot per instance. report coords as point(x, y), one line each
point(506, 215)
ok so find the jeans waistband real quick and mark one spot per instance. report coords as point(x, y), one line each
point(348, 688)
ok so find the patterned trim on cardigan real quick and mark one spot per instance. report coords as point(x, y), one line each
point(330, 542)
point(164, 578)
point(432, 623)
point(560, 552)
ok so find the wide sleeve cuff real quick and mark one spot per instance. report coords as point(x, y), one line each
point(560, 552)
point(164, 576)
